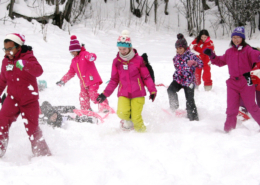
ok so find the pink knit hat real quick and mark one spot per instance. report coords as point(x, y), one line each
point(16, 37)
point(74, 44)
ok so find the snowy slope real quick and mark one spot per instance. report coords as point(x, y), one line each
point(172, 151)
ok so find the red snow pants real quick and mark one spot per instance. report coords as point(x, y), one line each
point(90, 93)
point(30, 114)
point(237, 88)
point(206, 76)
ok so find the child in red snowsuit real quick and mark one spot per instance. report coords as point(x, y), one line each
point(83, 64)
point(197, 46)
point(19, 71)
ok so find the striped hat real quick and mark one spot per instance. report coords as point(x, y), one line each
point(124, 40)
point(74, 44)
point(16, 37)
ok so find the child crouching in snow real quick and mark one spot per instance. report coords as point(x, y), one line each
point(83, 64)
point(240, 59)
point(185, 63)
point(130, 72)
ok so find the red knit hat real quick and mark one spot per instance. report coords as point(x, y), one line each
point(16, 37)
point(74, 44)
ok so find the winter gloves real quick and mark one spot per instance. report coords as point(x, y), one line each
point(20, 64)
point(152, 96)
point(253, 77)
point(210, 53)
point(60, 83)
point(101, 98)
point(248, 78)
point(192, 63)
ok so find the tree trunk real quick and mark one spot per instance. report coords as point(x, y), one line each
point(205, 6)
point(166, 7)
point(216, 2)
point(11, 14)
point(155, 10)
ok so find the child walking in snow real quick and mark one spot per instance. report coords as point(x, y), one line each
point(83, 64)
point(130, 72)
point(19, 71)
point(185, 63)
point(197, 46)
point(240, 59)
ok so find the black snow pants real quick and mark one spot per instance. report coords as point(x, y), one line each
point(190, 103)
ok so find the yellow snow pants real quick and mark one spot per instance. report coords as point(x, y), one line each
point(131, 109)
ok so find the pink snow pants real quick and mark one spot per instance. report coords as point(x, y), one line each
point(236, 88)
point(90, 92)
point(30, 114)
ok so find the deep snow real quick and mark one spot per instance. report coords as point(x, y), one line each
point(172, 151)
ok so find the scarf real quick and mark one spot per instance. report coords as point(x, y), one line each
point(129, 56)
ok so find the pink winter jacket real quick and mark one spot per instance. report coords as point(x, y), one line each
point(238, 61)
point(131, 77)
point(83, 64)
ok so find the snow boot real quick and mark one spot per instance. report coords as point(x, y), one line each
point(127, 125)
point(208, 87)
point(192, 115)
point(39, 145)
point(3, 147)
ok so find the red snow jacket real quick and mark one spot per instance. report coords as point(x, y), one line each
point(22, 84)
point(199, 47)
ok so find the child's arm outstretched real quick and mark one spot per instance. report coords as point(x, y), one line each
point(70, 74)
point(216, 60)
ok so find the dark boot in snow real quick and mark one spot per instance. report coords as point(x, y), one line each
point(193, 115)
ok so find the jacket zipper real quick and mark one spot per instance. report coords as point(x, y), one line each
point(80, 75)
point(139, 84)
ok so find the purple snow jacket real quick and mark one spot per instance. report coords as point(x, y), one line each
point(131, 76)
point(184, 74)
point(238, 61)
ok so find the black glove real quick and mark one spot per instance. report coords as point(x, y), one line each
point(248, 78)
point(152, 97)
point(101, 98)
point(208, 51)
point(60, 83)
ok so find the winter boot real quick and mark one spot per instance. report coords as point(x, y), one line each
point(4, 137)
point(193, 115)
point(3, 147)
point(230, 123)
point(208, 87)
point(39, 145)
point(174, 102)
point(127, 125)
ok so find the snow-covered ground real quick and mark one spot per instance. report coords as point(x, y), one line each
point(172, 151)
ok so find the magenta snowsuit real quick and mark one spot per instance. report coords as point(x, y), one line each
point(239, 61)
point(83, 64)
point(131, 77)
point(22, 98)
